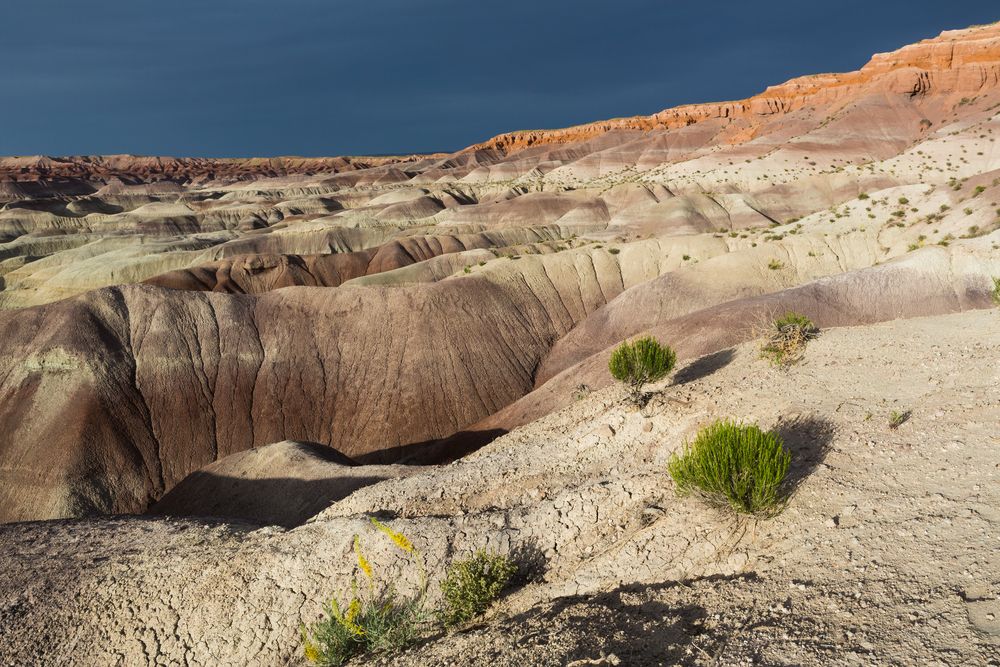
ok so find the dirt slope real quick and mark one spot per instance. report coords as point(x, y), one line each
point(886, 553)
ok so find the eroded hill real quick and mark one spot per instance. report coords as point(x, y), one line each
point(161, 314)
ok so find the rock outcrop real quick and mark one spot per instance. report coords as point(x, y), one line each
point(958, 62)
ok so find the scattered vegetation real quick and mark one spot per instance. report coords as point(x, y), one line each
point(376, 620)
point(734, 465)
point(995, 293)
point(470, 586)
point(640, 361)
point(786, 338)
point(775, 265)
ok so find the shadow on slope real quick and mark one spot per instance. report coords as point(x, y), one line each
point(704, 366)
point(433, 452)
point(627, 622)
point(808, 439)
point(282, 484)
point(281, 501)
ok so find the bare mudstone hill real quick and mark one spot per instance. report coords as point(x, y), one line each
point(243, 360)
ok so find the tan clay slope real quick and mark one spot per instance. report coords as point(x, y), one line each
point(932, 281)
point(886, 553)
point(957, 61)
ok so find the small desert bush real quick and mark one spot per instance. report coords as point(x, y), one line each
point(733, 465)
point(640, 361)
point(775, 265)
point(377, 624)
point(376, 620)
point(996, 291)
point(470, 586)
point(897, 419)
point(785, 340)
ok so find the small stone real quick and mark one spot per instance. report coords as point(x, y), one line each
point(647, 427)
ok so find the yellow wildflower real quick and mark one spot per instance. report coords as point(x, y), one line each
point(309, 647)
point(398, 538)
point(363, 563)
point(352, 613)
point(312, 652)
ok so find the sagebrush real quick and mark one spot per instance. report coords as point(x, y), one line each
point(734, 465)
point(641, 361)
point(471, 585)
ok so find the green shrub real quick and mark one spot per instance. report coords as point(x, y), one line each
point(786, 339)
point(640, 361)
point(470, 586)
point(375, 620)
point(996, 291)
point(734, 465)
point(775, 264)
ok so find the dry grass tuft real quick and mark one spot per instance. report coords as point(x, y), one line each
point(785, 338)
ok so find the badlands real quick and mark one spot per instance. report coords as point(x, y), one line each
point(215, 371)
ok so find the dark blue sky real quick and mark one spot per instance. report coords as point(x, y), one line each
point(334, 77)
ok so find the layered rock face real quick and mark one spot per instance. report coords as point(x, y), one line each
point(957, 62)
point(160, 314)
point(54, 175)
